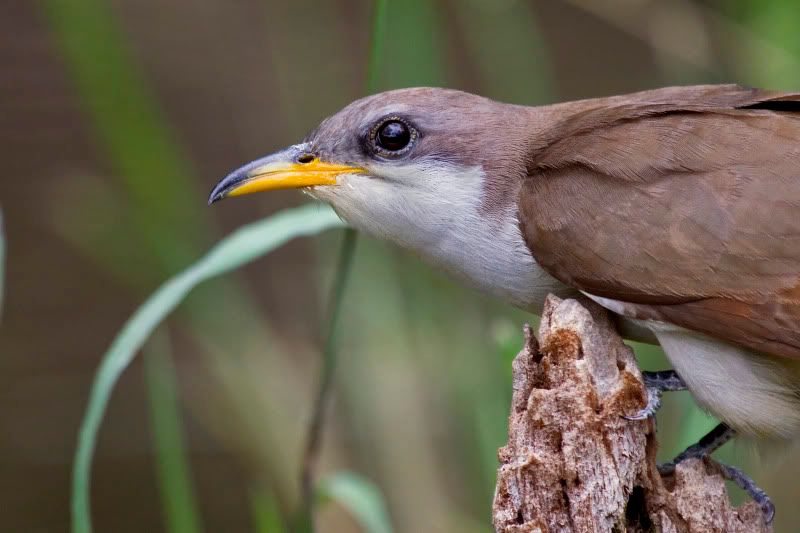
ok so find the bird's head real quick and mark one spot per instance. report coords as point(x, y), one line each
point(393, 162)
point(435, 171)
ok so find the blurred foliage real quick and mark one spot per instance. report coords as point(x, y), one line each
point(423, 386)
point(164, 223)
point(770, 57)
point(360, 497)
point(266, 515)
point(508, 50)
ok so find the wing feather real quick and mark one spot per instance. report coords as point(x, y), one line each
point(684, 203)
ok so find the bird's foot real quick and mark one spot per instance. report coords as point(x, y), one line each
point(712, 441)
point(746, 483)
point(656, 383)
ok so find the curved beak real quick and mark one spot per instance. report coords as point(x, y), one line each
point(293, 168)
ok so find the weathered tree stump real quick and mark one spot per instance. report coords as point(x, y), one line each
point(573, 464)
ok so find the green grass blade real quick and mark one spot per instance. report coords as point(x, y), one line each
point(419, 60)
point(379, 19)
point(503, 38)
point(265, 511)
point(172, 465)
point(361, 498)
point(243, 246)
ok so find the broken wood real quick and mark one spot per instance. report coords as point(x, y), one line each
point(573, 464)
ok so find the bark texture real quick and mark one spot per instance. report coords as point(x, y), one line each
point(573, 464)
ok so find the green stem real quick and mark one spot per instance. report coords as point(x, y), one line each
point(305, 518)
point(329, 360)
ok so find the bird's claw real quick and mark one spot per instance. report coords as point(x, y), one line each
point(742, 480)
point(656, 383)
point(746, 483)
point(711, 442)
point(653, 405)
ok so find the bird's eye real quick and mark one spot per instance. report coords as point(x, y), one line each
point(393, 136)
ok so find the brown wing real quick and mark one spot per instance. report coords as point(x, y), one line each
point(684, 206)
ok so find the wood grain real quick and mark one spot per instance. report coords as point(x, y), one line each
point(572, 464)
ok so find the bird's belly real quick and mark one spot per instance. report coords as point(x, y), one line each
point(751, 392)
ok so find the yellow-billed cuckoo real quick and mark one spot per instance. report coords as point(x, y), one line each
point(677, 209)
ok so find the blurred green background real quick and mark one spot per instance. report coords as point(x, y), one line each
point(116, 118)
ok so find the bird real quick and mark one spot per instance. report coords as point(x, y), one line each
point(676, 209)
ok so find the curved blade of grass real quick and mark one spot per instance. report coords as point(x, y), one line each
point(241, 247)
point(360, 497)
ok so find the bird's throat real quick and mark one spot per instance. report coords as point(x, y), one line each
point(438, 213)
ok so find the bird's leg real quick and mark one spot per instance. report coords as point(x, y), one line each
point(712, 441)
point(707, 445)
point(657, 383)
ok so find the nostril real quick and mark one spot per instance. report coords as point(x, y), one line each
point(305, 158)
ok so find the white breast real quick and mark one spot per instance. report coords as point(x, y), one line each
point(493, 257)
point(433, 210)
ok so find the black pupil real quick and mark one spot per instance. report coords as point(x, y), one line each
point(394, 136)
